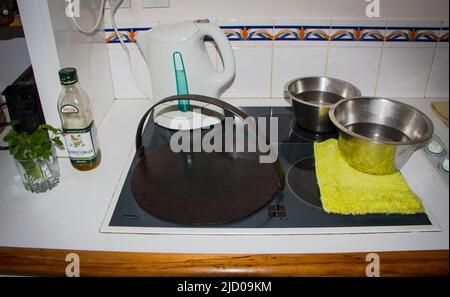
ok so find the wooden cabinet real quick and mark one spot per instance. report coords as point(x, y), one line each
point(95, 263)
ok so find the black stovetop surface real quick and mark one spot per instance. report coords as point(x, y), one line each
point(287, 209)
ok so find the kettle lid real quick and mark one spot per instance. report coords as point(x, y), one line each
point(174, 32)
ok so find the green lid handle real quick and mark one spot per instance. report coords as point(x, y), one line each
point(181, 79)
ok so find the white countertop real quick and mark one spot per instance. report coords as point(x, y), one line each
point(70, 216)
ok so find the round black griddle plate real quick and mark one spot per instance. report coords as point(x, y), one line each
point(202, 188)
point(302, 180)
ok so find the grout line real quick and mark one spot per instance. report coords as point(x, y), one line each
point(131, 99)
point(377, 82)
point(427, 86)
point(106, 113)
point(327, 58)
point(272, 54)
point(111, 73)
point(430, 71)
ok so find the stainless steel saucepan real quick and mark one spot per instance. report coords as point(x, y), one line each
point(312, 98)
point(378, 135)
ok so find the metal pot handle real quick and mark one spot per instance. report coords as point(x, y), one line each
point(140, 149)
point(222, 104)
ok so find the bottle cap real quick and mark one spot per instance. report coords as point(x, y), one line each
point(68, 76)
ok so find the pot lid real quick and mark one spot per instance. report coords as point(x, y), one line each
point(205, 187)
point(202, 188)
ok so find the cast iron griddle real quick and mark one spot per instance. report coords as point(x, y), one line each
point(202, 188)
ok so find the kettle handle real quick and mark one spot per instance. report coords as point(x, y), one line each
point(229, 64)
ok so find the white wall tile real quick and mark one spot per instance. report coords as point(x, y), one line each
point(288, 9)
point(295, 62)
point(438, 85)
point(357, 65)
point(263, 67)
point(404, 72)
point(253, 72)
point(125, 85)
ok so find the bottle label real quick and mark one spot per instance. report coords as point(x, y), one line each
point(80, 144)
point(69, 109)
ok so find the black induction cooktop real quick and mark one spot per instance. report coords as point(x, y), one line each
point(297, 206)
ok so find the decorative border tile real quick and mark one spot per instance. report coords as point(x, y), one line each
point(244, 33)
point(345, 33)
point(128, 34)
point(297, 33)
point(443, 35)
point(412, 34)
point(313, 33)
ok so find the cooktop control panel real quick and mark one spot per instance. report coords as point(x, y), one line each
point(437, 155)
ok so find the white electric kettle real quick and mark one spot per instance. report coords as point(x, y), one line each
point(179, 64)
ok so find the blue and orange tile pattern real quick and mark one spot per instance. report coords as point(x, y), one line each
point(248, 33)
point(313, 33)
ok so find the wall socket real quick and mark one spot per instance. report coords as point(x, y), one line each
point(155, 3)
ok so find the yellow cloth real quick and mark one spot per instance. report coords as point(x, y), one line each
point(347, 191)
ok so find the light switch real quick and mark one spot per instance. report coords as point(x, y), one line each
point(155, 3)
point(125, 4)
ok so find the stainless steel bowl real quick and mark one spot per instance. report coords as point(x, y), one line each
point(312, 97)
point(377, 135)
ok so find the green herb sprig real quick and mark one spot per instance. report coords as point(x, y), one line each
point(24, 146)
